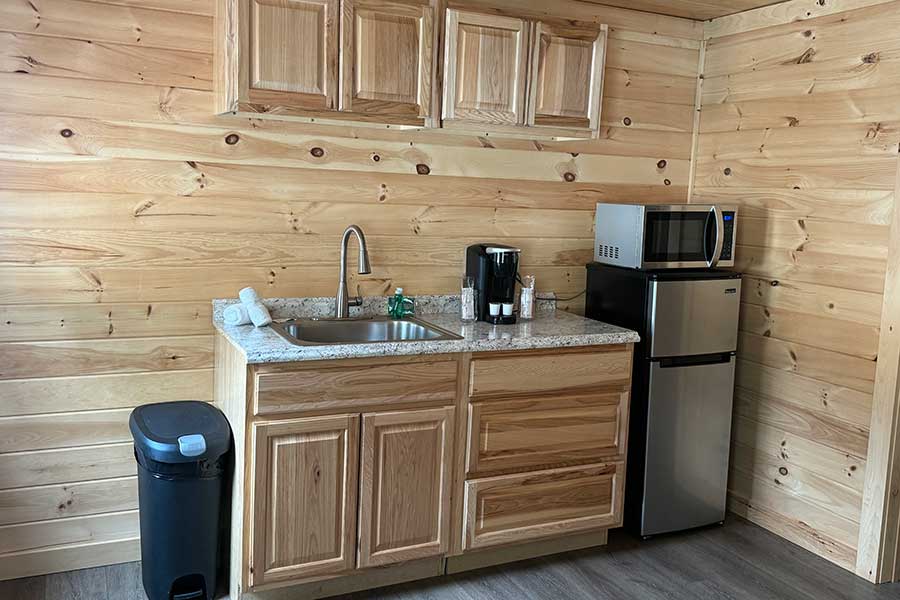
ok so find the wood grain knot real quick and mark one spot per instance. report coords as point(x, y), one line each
point(661, 164)
point(727, 171)
point(423, 169)
point(232, 138)
point(774, 283)
point(667, 181)
point(67, 133)
point(782, 470)
point(627, 121)
point(317, 152)
point(570, 177)
point(376, 157)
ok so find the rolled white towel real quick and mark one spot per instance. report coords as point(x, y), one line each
point(259, 314)
point(257, 311)
point(248, 295)
point(236, 314)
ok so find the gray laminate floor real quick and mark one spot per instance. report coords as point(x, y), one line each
point(736, 562)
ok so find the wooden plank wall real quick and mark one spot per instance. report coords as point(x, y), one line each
point(800, 127)
point(125, 206)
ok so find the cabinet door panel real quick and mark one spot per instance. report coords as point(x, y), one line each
point(567, 76)
point(386, 64)
point(514, 508)
point(405, 489)
point(485, 68)
point(293, 52)
point(304, 498)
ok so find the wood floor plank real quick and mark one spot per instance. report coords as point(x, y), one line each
point(739, 561)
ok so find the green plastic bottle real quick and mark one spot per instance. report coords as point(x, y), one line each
point(400, 306)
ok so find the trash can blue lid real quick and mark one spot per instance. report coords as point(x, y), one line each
point(180, 432)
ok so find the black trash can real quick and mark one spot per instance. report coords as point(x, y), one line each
point(181, 450)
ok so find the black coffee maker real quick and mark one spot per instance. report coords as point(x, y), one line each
point(495, 269)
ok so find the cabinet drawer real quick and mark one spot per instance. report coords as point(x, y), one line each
point(349, 386)
point(516, 508)
point(559, 371)
point(511, 435)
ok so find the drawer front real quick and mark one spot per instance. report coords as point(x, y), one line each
point(350, 386)
point(516, 508)
point(509, 435)
point(560, 371)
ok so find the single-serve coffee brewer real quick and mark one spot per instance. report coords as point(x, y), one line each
point(495, 269)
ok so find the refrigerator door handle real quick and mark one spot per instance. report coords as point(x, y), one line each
point(720, 236)
point(675, 362)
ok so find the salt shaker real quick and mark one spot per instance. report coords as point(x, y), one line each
point(467, 299)
point(526, 299)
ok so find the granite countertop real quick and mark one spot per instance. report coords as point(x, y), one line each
point(549, 329)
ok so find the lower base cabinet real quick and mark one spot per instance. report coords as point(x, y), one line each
point(404, 502)
point(309, 473)
point(304, 498)
point(527, 506)
point(367, 472)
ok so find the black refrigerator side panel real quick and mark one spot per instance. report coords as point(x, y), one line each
point(637, 446)
point(620, 296)
point(617, 296)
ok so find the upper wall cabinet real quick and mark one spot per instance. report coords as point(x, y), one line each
point(375, 61)
point(485, 69)
point(386, 59)
point(503, 73)
point(566, 76)
point(278, 56)
point(361, 60)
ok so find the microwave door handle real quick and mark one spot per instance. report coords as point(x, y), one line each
point(720, 236)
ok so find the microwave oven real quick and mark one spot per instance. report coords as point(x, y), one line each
point(665, 236)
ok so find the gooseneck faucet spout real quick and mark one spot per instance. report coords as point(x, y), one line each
point(342, 301)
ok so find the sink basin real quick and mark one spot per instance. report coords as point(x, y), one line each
point(312, 332)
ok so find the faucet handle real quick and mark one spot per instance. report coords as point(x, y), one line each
point(356, 300)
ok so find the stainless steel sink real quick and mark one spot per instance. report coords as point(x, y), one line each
point(313, 332)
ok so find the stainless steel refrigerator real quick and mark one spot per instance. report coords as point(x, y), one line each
point(682, 389)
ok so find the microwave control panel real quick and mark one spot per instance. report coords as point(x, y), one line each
point(727, 245)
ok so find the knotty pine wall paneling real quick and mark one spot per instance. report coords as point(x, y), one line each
point(126, 206)
point(800, 127)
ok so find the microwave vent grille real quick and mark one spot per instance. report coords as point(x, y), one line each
point(609, 251)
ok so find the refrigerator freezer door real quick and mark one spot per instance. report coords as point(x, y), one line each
point(694, 317)
point(688, 440)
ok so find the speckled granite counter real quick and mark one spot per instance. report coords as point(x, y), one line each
point(549, 329)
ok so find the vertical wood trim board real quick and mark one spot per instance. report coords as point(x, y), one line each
point(127, 206)
point(879, 536)
point(698, 101)
point(791, 134)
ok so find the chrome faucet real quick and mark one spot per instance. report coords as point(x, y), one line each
point(342, 301)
